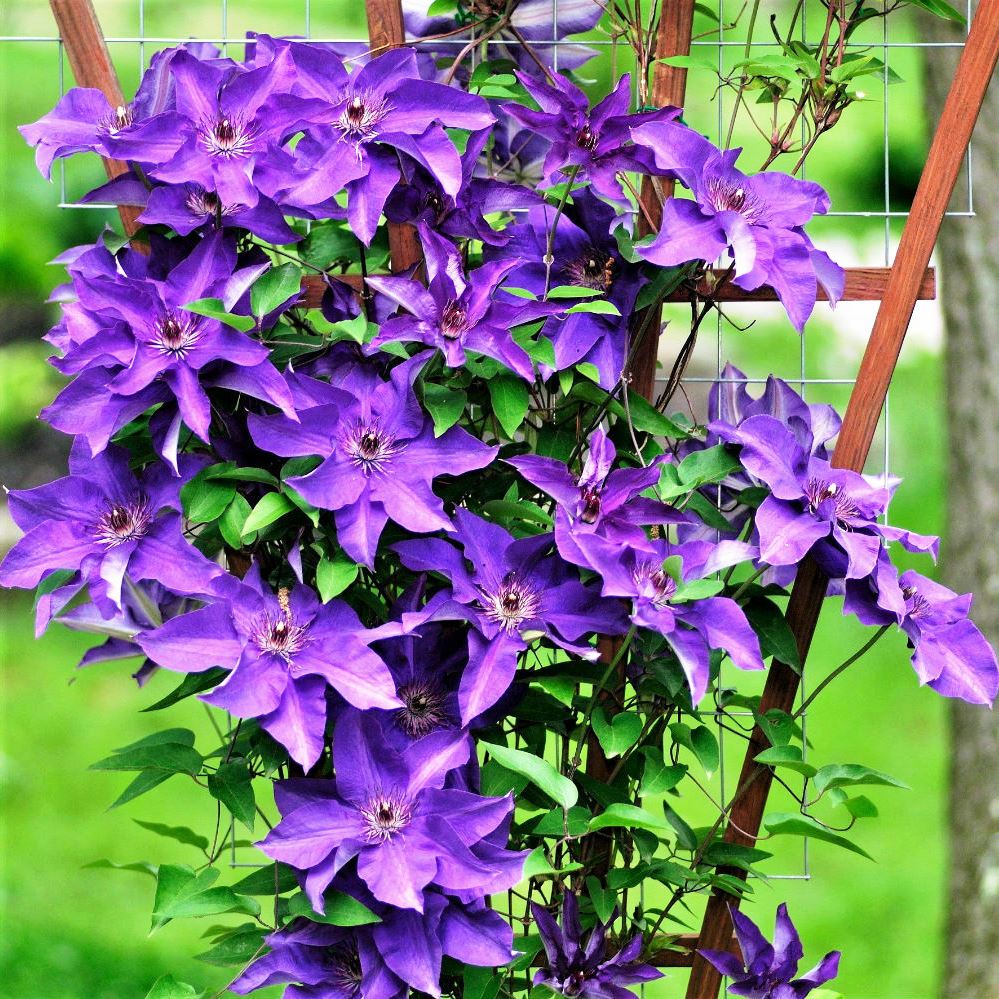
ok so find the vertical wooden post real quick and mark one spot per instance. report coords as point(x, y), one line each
point(950, 142)
point(387, 30)
point(669, 84)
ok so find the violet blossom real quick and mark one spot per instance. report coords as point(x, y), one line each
point(669, 600)
point(459, 311)
point(282, 651)
point(380, 457)
point(112, 527)
point(767, 971)
point(759, 219)
point(363, 120)
point(515, 591)
point(588, 145)
point(578, 964)
point(392, 812)
point(949, 653)
point(585, 255)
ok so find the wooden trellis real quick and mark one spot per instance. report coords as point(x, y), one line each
point(897, 288)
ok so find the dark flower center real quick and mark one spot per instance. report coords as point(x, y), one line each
point(424, 710)
point(594, 269)
point(369, 447)
point(123, 522)
point(512, 603)
point(176, 333)
point(586, 138)
point(454, 321)
point(280, 635)
point(229, 136)
point(589, 505)
point(574, 984)
point(385, 815)
point(344, 968)
point(726, 197)
point(204, 203)
point(435, 203)
point(916, 604)
point(654, 583)
point(120, 118)
point(836, 505)
point(486, 8)
point(361, 115)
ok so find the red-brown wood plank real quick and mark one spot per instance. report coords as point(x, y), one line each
point(91, 64)
point(936, 185)
point(863, 284)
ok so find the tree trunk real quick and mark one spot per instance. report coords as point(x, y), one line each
point(968, 258)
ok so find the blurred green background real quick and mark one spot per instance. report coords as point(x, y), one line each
point(72, 933)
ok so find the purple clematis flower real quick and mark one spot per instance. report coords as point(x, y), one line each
point(767, 970)
point(949, 653)
point(112, 527)
point(585, 255)
point(391, 811)
point(670, 600)
point(135, 340)
point(380, 459)
point(578, 964)
point(515, 592)
point(422, 199)
point(589, 145)
point(282, 649)
point(757, 218)
point(228, 120)
point(363, 120)
point(459, 311)
point(84, 120)
point(601, 500)
point(814, 508)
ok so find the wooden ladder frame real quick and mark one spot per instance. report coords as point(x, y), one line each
point(897, 288)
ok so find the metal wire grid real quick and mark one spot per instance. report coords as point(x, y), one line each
point(725, 46)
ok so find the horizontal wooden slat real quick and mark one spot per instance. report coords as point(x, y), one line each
point(863, 284)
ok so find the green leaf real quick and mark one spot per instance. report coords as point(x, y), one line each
point(776, 637)
point(941, 9)
point(604, 899)
point(274, 287)
point(144, 781)
point(647, 419)
point(334, 575)
point(618, 733)
point(658, 777)
point(140, 867)
point(168, 987)
point(700, 741)
point(778, 726)
point(795, 824)
point(232, 521)
point(180, 892)
point(599, 307)
point(327, 244)
point(222, 473)
point(690, 62)
point(510, 402)
point(270, 507)
point(180, 833)
point(848, 774)
point(232, 784)
point(685, 836)
point(538, 771)
point(711, 465)
point(722, 854)
point(341, 910)
point(622, 816)
point(554, 823)
point(237, 947)
point(193, 683)
point(172, 757)
point(573, 291)
point(537, 865)
point(860, 807)
point(205, 499)
point(788, 757)
point(261, 882)
point(445, 406)
point(214, 308)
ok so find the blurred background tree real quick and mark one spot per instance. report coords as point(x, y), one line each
point(968, 255)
